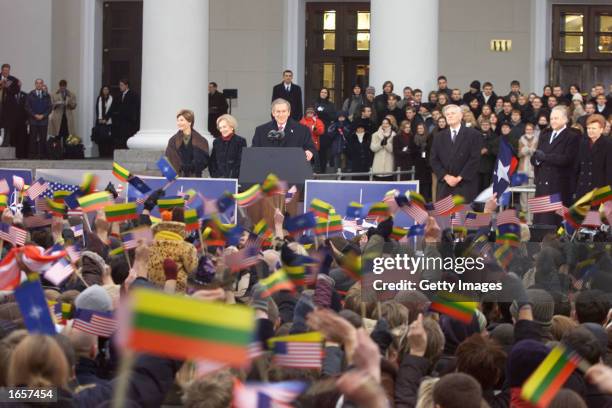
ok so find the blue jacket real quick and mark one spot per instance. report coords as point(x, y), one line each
point(38, 106)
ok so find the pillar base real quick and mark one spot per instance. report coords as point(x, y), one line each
point(158, 139)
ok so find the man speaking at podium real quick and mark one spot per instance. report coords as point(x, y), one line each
point(282, 131)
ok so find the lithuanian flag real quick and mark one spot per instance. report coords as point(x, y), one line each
point(276, 282)
point(60, 195)
point(263, 232)
point(167, 203)
point(120, 172)
point(454, 306)
point(296, 273)
point(577, 212)
point(117, 251)
point(249, 196)
point(504, 255)
point(601, 195)
point(334, 225)
point(272, 185)
point(3, 202)
point(192, 222)
point(212, 237)
point(89, 183)
point(56, 208)
point(398, 233)
point(379, 211)
point(121, 212)
point(95, 201)
point(351, 265)
point(544, 383)
point(320, 208)
point(416, 198)
point(185, 328)
point(320, 229)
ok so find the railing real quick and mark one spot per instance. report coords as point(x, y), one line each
point(340, 175)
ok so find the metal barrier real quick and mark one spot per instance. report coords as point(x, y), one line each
point(340, 175)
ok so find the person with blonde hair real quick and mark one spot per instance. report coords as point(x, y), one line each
point(593, 168)
point(38, 361)
point(187, 150)
point(227, 149)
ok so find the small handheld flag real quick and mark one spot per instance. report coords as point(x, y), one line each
point(34, 308)
point(166, 169)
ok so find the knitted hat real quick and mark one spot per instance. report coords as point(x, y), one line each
point(577, 97)
point(600, 334)
point(94, 298)
point(475, 85)
point(542, 306)
point(525, 357)
point(91, 261)
point(371, 89)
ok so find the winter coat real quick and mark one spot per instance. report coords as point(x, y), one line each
point(383, 154)
point(188, 160)
point(527, 148)
point(488, 160)
point(359, 154)
point(316, 127)
point(169, 243)
point(226, 157)
point(60, 106)
point(338, 132)
point(593, 168)
point(351, 105)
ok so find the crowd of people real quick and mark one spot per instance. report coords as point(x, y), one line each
point(378, 352)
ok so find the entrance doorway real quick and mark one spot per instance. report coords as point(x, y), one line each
point(337, 49)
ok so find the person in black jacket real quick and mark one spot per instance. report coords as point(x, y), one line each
point(403, 148)
point(358, 149)
point(488, 154)
point(187, 150)
point(9, 88)
point(290, 92)
point(127, 114)
point(420, 150)
point(326, 111)
point(227, 149)
point(38, 105)
point(593, 168)
point(283, 131)
point(217, 106)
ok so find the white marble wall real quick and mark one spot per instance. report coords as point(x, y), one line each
point(246, 53)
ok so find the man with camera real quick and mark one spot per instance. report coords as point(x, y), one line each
point(282, 131)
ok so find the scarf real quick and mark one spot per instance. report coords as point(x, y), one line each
point(360, 136)
point(168, 236)
point(420, 140)
point(104, 106)
point(228, 138)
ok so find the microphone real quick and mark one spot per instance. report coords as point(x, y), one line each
point(276, 135)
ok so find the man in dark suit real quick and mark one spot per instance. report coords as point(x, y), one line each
point(127, 115)
point(9, 88)
point(38, 106)
point(217, 106)
point(554, 161)
point(290, 92)
point(283, 131)
point(488, 96)
point(455, 157)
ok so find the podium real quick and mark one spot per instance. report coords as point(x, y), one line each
point(288, 163)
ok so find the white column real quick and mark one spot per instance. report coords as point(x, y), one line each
point(404, 44)
point(174, 69)
point(540, 52)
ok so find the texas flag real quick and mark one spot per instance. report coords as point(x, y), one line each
point(506, 167)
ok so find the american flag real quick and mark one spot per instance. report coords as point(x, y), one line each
point(14, 235)
point(545, 204)
point(36, 189)
point(9, 272)
point(255, 350)
point(417, 213)
point(289, 194)
point(130, 239)
point(443, 206)
point(41, 205)
point(507, 217)
point(477, 220)
point(59, 272)
point(298, 354)
point(245, 258)
point(18, 183)
point(4, 187)
point(55, 186)
point(74, 252)
point(37, 221)
point(269, 395)
point(93, 322)
point(457, 219)
point(592, 219)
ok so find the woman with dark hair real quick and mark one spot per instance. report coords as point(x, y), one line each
point(573, 90)
point(546, 93)
point(474, 105)
point(432, 100)
point(381, 100)
point(382, 147)
point(352, 103)
point(103, 133)
point(403, 148)
point(442, 100)
point(421, 148)
point(326, 111)
point(187, 150)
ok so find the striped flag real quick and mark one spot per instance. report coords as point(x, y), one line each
point(545, 204)
point(121, 212)
point(95, 201)
point(88, 186)
point(577, 212)
point(298, 351)
point(168, 203)
point(276, 282)
point(192, 222)
point(3, 202)
point(4, 187)
point(290, 194)
point(417, 213)
point(184, 328)
point(243, 259)
point(398, 233)
point(507, 217)
point(131, 238)
point(320, 208)
point(36, 189)
point(40, 204)
point(477, 220)
point(14, 235)
point(10, 273)
point(59, 272)
point(74, 252)
point(454, 305)
point(78, 230)
point(249, 196)
point(379, 211)
point(544, 383)
point(37, 221)
point(448, 205)
point(592, 219)
point(260, 395)
point(18, 183)
point(93, 322)
point(601, 195)
point(120, 172)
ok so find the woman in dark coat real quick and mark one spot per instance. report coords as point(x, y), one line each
point(403, 147)
point(420, 148)
point(593, 168)
point(103, 130)
point(358, 150)
point(488, 154)
point(326, 111)
point(227, 149)
point(187, 150)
